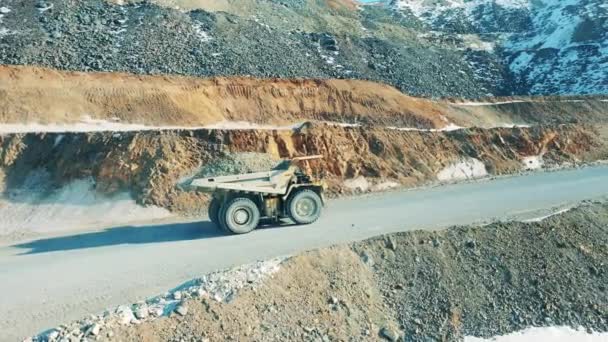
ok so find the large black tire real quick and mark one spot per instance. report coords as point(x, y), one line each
point(213, 211)
point(305, 206)
point(240, 216)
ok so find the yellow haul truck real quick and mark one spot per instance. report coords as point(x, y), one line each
point(239, 202)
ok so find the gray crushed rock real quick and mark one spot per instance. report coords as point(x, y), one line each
point(236, 163)
point(231, 163)
point(143, 38)
point(221, 286)
point(496, 279)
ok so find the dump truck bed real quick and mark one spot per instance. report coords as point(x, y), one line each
point(268, 182)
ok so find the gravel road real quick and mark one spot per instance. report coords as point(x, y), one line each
point(61, 278)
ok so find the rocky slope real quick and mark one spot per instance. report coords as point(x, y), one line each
point(313, 39)
point(415, 286)
point(442, 48)
point(550, 47)
point(150, 164)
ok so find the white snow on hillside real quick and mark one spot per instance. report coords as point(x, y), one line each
point(35, 208)
point(544, 217)
point(559, 47)
point(552, 58)
point(432, 9)
point(87, 124)
point(554, 27)
point(470, 168)
point(553, 334)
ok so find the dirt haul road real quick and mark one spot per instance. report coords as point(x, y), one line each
point(57, 279)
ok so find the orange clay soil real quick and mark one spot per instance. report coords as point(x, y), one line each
point(32, 94)
point(149, 164)
point(40, 95)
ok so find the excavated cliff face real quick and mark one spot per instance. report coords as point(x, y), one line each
point(38, 95)
point(150, 164)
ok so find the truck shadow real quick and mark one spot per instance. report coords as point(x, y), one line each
point(127, 235)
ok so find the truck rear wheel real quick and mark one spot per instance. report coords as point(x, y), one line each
point(305, 207)
point(213, 211)
point(240, 216)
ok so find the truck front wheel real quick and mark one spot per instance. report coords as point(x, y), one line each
point(240, 216)
point(305, 206)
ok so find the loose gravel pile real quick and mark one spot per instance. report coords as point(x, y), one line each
point(496, 279)
point(231, 163)
point(237, 163)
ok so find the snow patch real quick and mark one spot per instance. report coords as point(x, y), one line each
point(541, 218)
point(553, 334)
point(236, 125)
point(340, 124)
point(474, 42)
point(37, 208)
point(533, 162)
point(448, 128)
point(58, 140)
point(4, 10)
point(429, 9)
point(509, 125)
point(480, 104)
point(476, 104)
point(5, 32)
point(555, 24)
point(44, 9)
point(259, 22)
point(357, 184)
point(95, 125)
point(114, 125)
point(202, 34)
point(329, 59)
point(385, 186)
point(482, 46)
point(521, 62)
point(88, 124)
point(361, 184)
point(119, 31)
point(470, 168)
